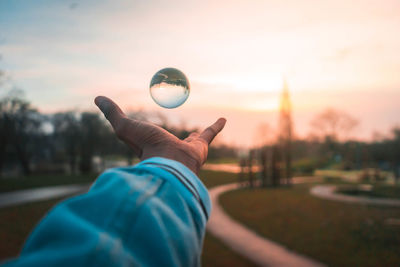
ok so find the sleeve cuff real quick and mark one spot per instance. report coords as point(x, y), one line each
point(179, 173)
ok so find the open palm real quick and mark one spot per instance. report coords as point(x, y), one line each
point(149, 140)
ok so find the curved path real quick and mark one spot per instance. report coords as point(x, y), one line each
point(328, 192)
point(39, 194)
point(244, 241)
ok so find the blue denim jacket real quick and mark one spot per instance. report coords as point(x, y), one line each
point(152, 214)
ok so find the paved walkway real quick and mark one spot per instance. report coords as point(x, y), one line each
point(39, 194)
point(260, 250)
point(328, 192)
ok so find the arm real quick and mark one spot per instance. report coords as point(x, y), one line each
point(153, 214)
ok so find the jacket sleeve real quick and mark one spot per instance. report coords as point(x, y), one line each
point(152, 214)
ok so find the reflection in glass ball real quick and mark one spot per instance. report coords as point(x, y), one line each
point(169, 88)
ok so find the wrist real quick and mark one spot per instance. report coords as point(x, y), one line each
point(175, 154)
point(191, 164)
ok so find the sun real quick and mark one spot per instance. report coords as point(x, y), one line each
point(264, 82)
point(250, 82)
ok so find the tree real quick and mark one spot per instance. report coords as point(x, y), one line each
point(275, 166)
point(20, 125)
point(92, 131)
point(394, 150)
point(333, 124)
point(67, 135)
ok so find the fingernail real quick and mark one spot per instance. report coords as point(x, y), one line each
point(103, 104)
point(98, 100)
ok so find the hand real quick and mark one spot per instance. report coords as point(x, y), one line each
point(149, 140)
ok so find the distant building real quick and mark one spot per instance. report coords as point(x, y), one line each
point(285, 134)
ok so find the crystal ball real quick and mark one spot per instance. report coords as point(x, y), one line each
point(169, 88)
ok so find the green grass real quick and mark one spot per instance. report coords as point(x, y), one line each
point(378, 190)
point(223, 161)
point(17, 222)
point(25, 217)
point(335, 233)
point(306, 166)
point(215, 253)
point(25, 182)
point(215, 178)
point(210, 178)
point(335, 180)
point(350, 176)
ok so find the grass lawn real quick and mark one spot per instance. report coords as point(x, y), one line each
point(223, 160)
point(215, 253)
point(215, 178)
point(25, 182)
point(350, 176)
point(335, 180)
point(335, 233)
point(210, 179)
point(17, 222)
point(378, 190)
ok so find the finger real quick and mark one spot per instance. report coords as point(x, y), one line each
point(209, 133)
point(111, 111)
point(117, 118)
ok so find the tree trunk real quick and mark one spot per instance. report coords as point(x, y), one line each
point(72, 163)
point(275, 166)
point(2, 152)
point(86, 160)
point(288, 159)
point(264, 167)
point(250, 169)
point(3, 145)
point(23, 159)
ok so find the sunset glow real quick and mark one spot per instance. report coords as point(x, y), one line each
point(337, 54)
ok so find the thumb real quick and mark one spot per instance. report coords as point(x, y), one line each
point(212, 131)
point(111, 111)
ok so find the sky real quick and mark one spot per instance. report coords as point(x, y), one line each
point(333, 54)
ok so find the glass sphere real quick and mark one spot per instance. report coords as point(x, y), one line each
point(169, 88)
